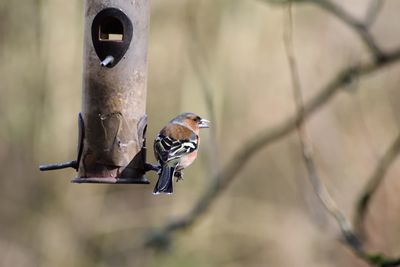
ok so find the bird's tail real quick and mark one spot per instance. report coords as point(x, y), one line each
point(165, 179)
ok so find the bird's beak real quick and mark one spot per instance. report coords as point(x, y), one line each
point(204, 123)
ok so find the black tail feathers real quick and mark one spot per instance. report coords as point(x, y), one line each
point(165, 179)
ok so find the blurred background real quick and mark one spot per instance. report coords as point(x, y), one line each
point(225, 60)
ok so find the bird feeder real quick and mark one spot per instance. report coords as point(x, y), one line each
point(112, 124)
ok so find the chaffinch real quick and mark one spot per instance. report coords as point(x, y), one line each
point(175, 148)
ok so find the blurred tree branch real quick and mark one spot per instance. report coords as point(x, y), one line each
point(305, 144)
point(361, 28)
point(197, 57)
point(160, 238)
point(374, 181)
point(350, 237)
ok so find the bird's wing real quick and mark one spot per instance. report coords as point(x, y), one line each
point(168, 148)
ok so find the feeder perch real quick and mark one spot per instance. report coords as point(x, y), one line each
point(112, 124)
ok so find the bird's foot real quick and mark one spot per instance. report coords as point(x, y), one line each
point(178, 175)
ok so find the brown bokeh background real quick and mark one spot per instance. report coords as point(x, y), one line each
point(233, 49)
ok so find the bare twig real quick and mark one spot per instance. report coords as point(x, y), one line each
point(374, 182)
point(306, 147)
point(350, 238)
point(197, 57)
point(359, 27)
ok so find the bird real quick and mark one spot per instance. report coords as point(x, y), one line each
point(175, 148)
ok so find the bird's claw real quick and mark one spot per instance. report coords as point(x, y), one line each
point(178, 175)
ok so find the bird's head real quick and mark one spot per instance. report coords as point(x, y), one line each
point(192, 120)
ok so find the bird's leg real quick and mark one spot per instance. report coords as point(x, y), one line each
point(178, 175)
